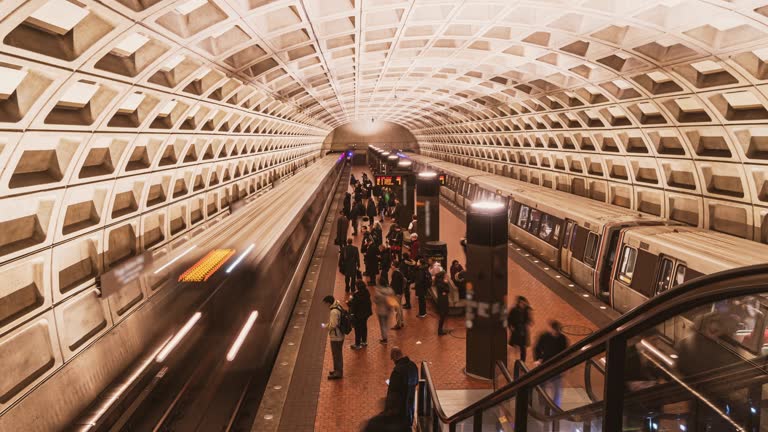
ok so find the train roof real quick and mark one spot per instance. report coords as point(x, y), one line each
point(704, 250)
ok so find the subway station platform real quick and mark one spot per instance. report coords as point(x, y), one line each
point(315, 403)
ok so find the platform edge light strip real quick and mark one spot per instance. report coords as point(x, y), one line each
point(240, 258)
point(241, 337)
point(174, 259)
point(178, 337)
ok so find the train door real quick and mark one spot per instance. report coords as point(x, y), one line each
point(565, 248)
point(606, 261)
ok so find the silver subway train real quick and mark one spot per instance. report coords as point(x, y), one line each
point(621, 256)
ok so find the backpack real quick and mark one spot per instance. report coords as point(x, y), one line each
point(345, 320)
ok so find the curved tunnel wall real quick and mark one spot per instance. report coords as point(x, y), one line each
point(116, 140)
point(696, 157)
point(363, 133)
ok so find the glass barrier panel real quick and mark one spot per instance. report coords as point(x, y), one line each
point(501, 417)
point(570, 401)
point(703, 370)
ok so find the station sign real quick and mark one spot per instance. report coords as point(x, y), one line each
point(388, 180)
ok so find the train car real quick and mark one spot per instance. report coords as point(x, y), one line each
point(576, 235)
point(655, 259)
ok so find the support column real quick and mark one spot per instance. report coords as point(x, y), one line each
point(486, 287)
point(428, 206)
point(406, 193)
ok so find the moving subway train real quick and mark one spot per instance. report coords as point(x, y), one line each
point(196, 294)
point(621, 256)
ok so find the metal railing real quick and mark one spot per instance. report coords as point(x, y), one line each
point(514, 400)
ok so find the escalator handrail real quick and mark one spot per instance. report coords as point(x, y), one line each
point(591, 363)
point(689, 295)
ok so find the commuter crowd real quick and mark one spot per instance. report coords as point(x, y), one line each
point(379, 278)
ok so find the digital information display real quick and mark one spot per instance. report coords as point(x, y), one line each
point(388, 180)
point(442, 179)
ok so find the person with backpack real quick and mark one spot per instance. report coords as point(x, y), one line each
point(401, 393)
point(339, 325)
point(360, 308)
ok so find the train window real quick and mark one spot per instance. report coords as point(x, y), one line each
point(627, 266)
point(664, 279)
point(578, 242)
point(556, 233)
point(590, 251)
point(679, 275)
point(522, 221)
point(545, 231)
point(533, 224)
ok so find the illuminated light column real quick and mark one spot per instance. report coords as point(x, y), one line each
point(486, 277)
point(428, 206)
point(406, 193)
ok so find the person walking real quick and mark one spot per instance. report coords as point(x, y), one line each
point(442, 288)
point(398, 287)
point(401, 392)
point(350, 258)
point(336, 334)
point(385, 262)
point(381, 209)
point(360, 308)
point(342, 226)
point(383, 300)
point(423, 282)
point(550, 343)
point(519, 321)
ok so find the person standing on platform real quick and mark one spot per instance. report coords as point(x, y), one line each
point(401, 393)
point(396, 210)
point(398, 287)
point(377, 234)
point(412, 225)
point(352, 181)
point(408, 269)
point(415, 246)
point(383, 300)
point(457, 277)
point(371, 212)
point(550, 344)
point(519, 321)
point(336, 334)
point(350, 258)
point(395, 240)
point(381, 209)
point(342, 226)
point(355, 214)
point(435, 267)
point(347, 207)
point(360, 308)
point(442, 288)
point(423, 282)
point(385, 262)
point(371, 262)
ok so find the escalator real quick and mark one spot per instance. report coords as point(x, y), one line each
point(693, 359)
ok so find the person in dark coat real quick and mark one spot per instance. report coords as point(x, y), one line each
point(550, 344)
point(457, 277)
point(377, 234)
point(395, 240)
point(342, 226)
point(381, 209)
point(397, 210)
point(519, 321)
point(356, 213)
point(385, 262)
point(352, 180)
point(408, 268)
point(372, 263)
point(371, 212)
point(401, 393)
point(351, 263)
point(347, 207)
point(442, 289)
point(415, 245)
point(358, 193)
point(423, 282)
point(360, 308)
